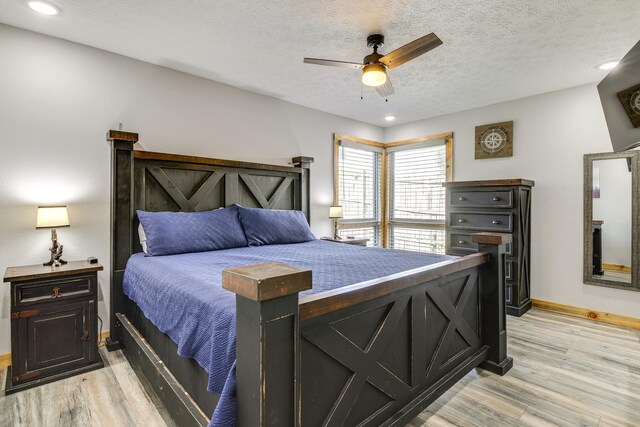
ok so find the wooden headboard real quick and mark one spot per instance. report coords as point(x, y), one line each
point(166, 182)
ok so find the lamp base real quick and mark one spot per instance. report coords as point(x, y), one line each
point(55, 263)
point(56, 252)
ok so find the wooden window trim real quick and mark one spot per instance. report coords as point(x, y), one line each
point(384, 189)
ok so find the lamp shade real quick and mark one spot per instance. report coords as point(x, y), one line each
point(336, 212)
point(52, 217)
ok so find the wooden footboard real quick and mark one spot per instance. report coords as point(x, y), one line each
point(375, 353)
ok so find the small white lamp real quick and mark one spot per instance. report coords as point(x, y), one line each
point(335, 212)
point(53, 217)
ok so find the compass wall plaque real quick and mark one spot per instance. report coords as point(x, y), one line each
point(494, 140)
point(630, 99)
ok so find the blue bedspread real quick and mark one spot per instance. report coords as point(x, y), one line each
point(182, 296)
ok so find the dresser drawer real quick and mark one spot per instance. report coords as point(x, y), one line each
point(40, 291)
point(462, 242)
point(482, 199)
point(508, 293)
point(481, 222)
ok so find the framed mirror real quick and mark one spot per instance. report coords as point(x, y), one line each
point(611, 219)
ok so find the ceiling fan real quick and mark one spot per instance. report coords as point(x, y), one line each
point(374, 66)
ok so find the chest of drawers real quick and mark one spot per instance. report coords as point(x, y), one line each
point(496, 205)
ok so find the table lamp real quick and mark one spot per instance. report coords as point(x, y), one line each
point(335, 212)
point(53, 217)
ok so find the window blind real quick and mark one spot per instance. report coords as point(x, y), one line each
point(359, 168)
point(416, 196)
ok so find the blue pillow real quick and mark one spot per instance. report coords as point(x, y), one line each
point(171, 233)
point(270, 227)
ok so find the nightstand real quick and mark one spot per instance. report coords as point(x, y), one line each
point(54, 331)
point(357, 242)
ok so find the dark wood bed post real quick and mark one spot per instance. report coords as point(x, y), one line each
point(267, 342)
point(305, 202)
point(492, 302)
point(121, 222)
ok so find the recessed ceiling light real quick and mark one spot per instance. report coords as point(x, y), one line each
point(608, 65)
point(390, 118)
point(44, 8)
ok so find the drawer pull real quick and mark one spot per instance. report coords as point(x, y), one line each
point(462, 242)
point(496, 199)
point(85, 336)
point(495, 221)
point(461, 220)
point(462, 199)
point(56, 293)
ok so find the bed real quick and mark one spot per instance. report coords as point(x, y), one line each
point(326, 334)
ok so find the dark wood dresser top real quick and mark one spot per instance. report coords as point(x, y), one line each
point(490, 183)
point(39, 271)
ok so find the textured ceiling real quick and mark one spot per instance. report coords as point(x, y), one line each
point(494, 50)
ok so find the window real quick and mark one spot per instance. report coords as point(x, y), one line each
point(358, 178)
point(416, 196)
point(410, 213)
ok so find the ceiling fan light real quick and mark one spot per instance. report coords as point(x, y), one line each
point(374, 75)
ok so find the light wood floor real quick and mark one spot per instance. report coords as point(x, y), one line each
point(567, 372)
point(617, 276)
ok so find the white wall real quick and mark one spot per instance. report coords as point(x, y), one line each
point(614, 208)
point(551, 134)
point(58, 99)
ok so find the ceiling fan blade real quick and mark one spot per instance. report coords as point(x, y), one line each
point(353, 65)
point(411, 50)
point(386, 89)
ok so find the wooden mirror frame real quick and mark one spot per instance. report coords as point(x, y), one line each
point(633, 158)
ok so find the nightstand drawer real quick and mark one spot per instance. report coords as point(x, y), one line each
point(40, 291)
point(481, 222)
point(482, 199)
